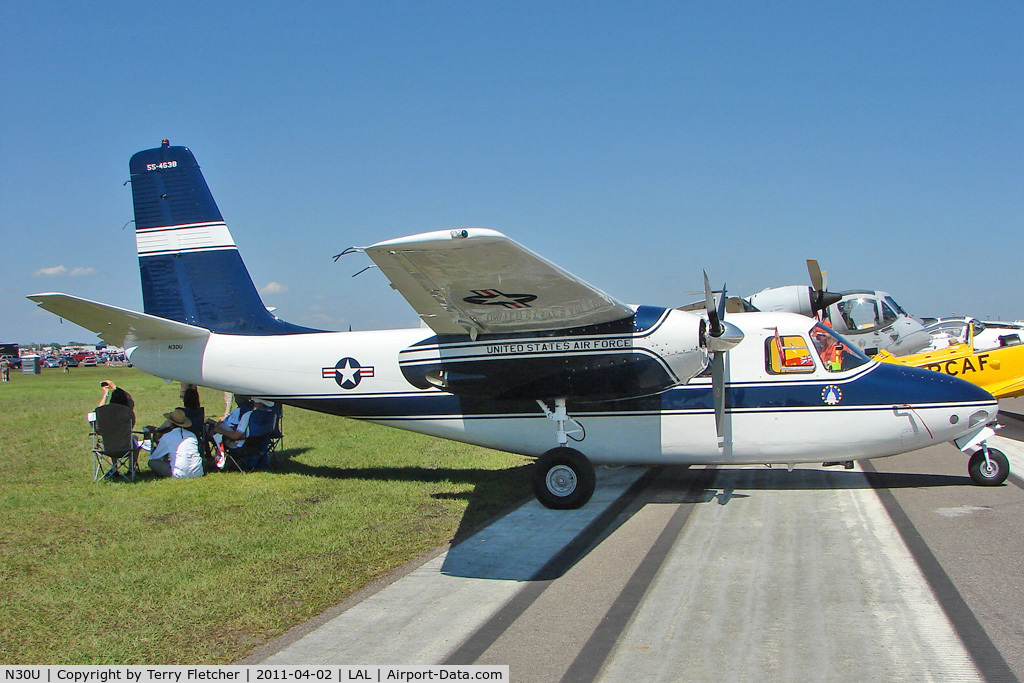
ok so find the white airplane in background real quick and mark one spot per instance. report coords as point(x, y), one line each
point(870, 318)
point(522, 356)
point(983, 335)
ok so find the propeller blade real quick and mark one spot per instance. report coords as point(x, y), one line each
point(817, 279)
point(715, 329)
point(822, 298)
point(718, 391)
point(721, 305)
point(721, 336)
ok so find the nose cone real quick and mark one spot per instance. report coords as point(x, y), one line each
point(727, 340)
point(947, 408)
point(917, 386)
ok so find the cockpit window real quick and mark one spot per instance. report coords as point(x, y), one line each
point(836, 353)
point(895, 306)
point(786, 354)
point(888, 315)
point(859, 314)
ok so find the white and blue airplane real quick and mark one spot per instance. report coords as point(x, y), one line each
point(522, 356)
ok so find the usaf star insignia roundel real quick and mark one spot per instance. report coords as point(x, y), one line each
point(348, 373)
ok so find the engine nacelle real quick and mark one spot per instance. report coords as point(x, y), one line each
point(655, 350)
point(792, 298)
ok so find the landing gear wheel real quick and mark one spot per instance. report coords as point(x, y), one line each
point(992, 473)
point(563, 479)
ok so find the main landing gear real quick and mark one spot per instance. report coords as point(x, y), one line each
point(563, 478)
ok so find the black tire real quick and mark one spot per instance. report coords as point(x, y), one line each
point(563, 479)
point(989, 476)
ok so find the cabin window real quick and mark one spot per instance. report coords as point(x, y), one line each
point(836, 353)
point(788, 353)
point(859, 314)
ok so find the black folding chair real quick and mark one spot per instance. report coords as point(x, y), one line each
point(114, 447)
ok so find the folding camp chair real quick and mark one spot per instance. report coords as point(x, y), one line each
point(277, 436)
point(262, 437)
point(114, 448)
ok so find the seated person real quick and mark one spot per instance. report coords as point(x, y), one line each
point(115, 394)
point(216, 431)
point(243, 404)
point(193, 411)
point(177, 454)
point(191, 405)
point(248, 438)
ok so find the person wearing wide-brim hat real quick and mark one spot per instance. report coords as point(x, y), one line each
point(178, 418)
point(177, 454)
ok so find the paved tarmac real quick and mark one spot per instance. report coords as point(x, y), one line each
point(902, 570)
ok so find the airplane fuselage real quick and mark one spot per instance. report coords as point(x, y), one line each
point(869, 411)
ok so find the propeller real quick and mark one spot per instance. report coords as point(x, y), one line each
point(822, 298)
point(719, 338)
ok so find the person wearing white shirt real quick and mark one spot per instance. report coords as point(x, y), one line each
point(177, 454)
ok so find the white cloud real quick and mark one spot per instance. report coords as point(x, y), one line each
point(52, 271)
point(57, 271)
point(88, 271)
point(274, 288)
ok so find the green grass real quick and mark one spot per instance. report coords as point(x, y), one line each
point(204, 570)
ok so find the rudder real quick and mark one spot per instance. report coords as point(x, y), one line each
point(191, 269)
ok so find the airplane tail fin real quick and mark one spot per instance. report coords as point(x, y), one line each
point(191, 269)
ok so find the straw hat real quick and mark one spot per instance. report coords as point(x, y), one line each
point(178, 418)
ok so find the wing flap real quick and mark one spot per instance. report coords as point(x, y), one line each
point(479, 281)
point(114, 325)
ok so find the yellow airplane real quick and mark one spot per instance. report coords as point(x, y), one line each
point(999, 371)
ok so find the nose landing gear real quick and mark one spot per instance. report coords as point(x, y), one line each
point(988, 466)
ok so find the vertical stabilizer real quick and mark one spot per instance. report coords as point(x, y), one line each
point(191, 269)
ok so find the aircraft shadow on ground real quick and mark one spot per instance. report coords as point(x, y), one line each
point(483, 502)
point(508, 550)
point(666, 485)
point(780, 479)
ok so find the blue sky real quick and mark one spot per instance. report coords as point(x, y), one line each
point(632, 143)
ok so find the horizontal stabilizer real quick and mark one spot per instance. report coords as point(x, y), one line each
point(114, 325)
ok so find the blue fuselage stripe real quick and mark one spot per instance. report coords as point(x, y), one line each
point(879, 388)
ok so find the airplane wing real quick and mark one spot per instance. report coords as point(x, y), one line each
point(118, 326)
point(479, 281)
